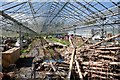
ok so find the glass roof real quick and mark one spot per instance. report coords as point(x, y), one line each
point(38, 17)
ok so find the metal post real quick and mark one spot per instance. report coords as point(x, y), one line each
point(103, 27)
point(74, 29)
point(102, 33)
point(92, 31)
point(20, 36)
point(113, 31)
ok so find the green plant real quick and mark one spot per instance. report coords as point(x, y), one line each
point(24, 51)
point(51, 52)
point(59, 40)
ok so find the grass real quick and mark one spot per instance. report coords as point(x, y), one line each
point(51, 52)
point(24, 51)
point(59, 40)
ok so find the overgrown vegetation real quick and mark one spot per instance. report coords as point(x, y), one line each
point(24, 51)
point(51, 52)
point(65, 42)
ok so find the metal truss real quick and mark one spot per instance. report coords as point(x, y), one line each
point(54, 16)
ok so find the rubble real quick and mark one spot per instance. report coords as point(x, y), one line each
point(89, 61)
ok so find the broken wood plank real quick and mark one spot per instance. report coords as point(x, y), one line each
point(111, 63)
point(71, 64)
point(105, 73)
point(88, 63)
point(114, 63)
point(53, 67)
point(55, 70)
point(100, 76)
point(109, 48)
point(105, 52)
point(108, 57)
point(55, 73)
point(72, 59)
point(78, 68)
point(105, 40)
point(96, 68)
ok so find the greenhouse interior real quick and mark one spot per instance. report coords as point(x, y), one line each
point(60, 40)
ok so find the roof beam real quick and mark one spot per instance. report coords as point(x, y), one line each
point(14, 20)
point(14, 6)
point(58, 12)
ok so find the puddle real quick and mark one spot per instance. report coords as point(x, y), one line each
point(52, 60)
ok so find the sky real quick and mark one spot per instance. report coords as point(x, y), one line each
point(58, 0)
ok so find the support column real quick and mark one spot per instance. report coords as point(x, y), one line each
point(20, 36)
point(119, 18)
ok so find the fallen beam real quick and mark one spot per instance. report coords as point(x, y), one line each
point(105, 40)
point(111, 63)
point(71, 64)
point(72, 59)
point(78, 68)
point(101, 77)
point(105, 52)
point(96, 68)
point(108, 57)
point(55, 70)
point(110, 48)
point(104, 73)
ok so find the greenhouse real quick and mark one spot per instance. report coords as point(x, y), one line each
point(59, 39)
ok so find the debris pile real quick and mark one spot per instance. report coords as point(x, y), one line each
point(84, 61)
point(96, 61)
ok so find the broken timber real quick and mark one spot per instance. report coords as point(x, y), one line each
point(107, 39)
